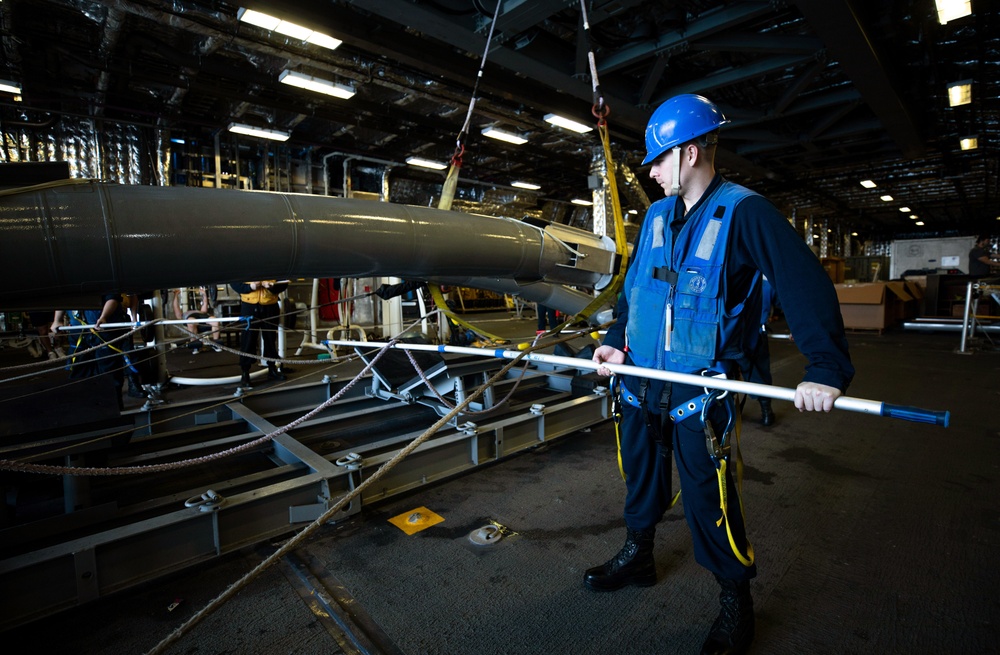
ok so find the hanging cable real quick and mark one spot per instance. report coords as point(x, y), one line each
point(451, 181)
point(448, 191)
point(601, 110)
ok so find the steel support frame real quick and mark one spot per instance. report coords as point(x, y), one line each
point(54, 579)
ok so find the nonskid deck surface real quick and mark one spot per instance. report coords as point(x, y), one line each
point(840, 507)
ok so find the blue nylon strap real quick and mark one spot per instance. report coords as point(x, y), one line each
point(690, 408)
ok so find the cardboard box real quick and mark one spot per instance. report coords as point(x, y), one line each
point(834, 267)
point(912, 308)
point(872, 305)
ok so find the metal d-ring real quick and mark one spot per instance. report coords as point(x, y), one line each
point(207, 502)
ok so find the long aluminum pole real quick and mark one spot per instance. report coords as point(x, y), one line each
point(738, 386)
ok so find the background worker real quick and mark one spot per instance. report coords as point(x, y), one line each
point(980, 263)
point(259, 304)
point(109, 357)
point(691, 303)
point(547, 318)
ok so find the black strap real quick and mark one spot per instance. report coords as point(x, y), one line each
point(664, 274)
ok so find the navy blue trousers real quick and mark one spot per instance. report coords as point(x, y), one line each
point(646, 460)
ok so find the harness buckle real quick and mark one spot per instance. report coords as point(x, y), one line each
point(716, 450)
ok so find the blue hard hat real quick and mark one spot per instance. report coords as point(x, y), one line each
point(679, 120)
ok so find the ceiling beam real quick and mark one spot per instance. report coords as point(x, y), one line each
point(836, 24)
point(440, 28)
point(731, 76)
point(711, 23)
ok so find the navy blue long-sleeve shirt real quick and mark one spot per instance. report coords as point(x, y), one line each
point(762, 239)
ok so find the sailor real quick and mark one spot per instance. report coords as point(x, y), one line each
point(691, 303)
point(259, 306)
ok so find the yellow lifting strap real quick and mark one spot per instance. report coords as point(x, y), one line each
point(609, 293)
point(439, 302)
point(746, 560)
point(447, 196)
point(451, 182)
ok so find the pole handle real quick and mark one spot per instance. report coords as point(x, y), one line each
point(916, 414)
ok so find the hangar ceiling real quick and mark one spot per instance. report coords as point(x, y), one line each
point(821, 93)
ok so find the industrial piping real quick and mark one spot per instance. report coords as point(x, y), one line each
point(71, 241)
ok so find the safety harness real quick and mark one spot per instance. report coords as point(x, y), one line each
point(720, 446)
point(75, 319)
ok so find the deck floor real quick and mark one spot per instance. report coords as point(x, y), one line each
point(872, 535)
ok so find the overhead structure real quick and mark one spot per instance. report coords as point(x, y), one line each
point(820, 94)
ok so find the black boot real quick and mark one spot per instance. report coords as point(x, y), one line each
point(732, 632)
point(245, 380)
point(274, 373)
point(766, 413)
point(633, 565)
point(135, 389)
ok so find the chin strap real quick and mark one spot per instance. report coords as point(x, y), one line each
point(675, 188)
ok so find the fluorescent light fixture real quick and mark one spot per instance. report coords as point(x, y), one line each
point(288, 28)
point(581, 202)
point(6, 86)
point(959, 93)
point(500, 135)
point(293, 30)
point(316, 84)
point(426, 163)
point(904, 209)
point(258, 18)
point(250, 130)
point(324, 41)
point(868, 184)
point(949, 10)
point(919, 223)
point(969, 143)
point(526, 185)
point(559, 121)
point(886, 198)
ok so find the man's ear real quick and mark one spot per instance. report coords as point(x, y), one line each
point(693, 154)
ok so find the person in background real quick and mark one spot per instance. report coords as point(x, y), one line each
point(202, 313)
point(546, 316)
point(980, 263)
point(111, 357)
point(259, 305)
point(691, 303)
point(42, 322)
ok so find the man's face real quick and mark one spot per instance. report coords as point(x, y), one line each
point(662, 171)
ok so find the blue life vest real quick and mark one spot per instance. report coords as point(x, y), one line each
point(677, 290)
